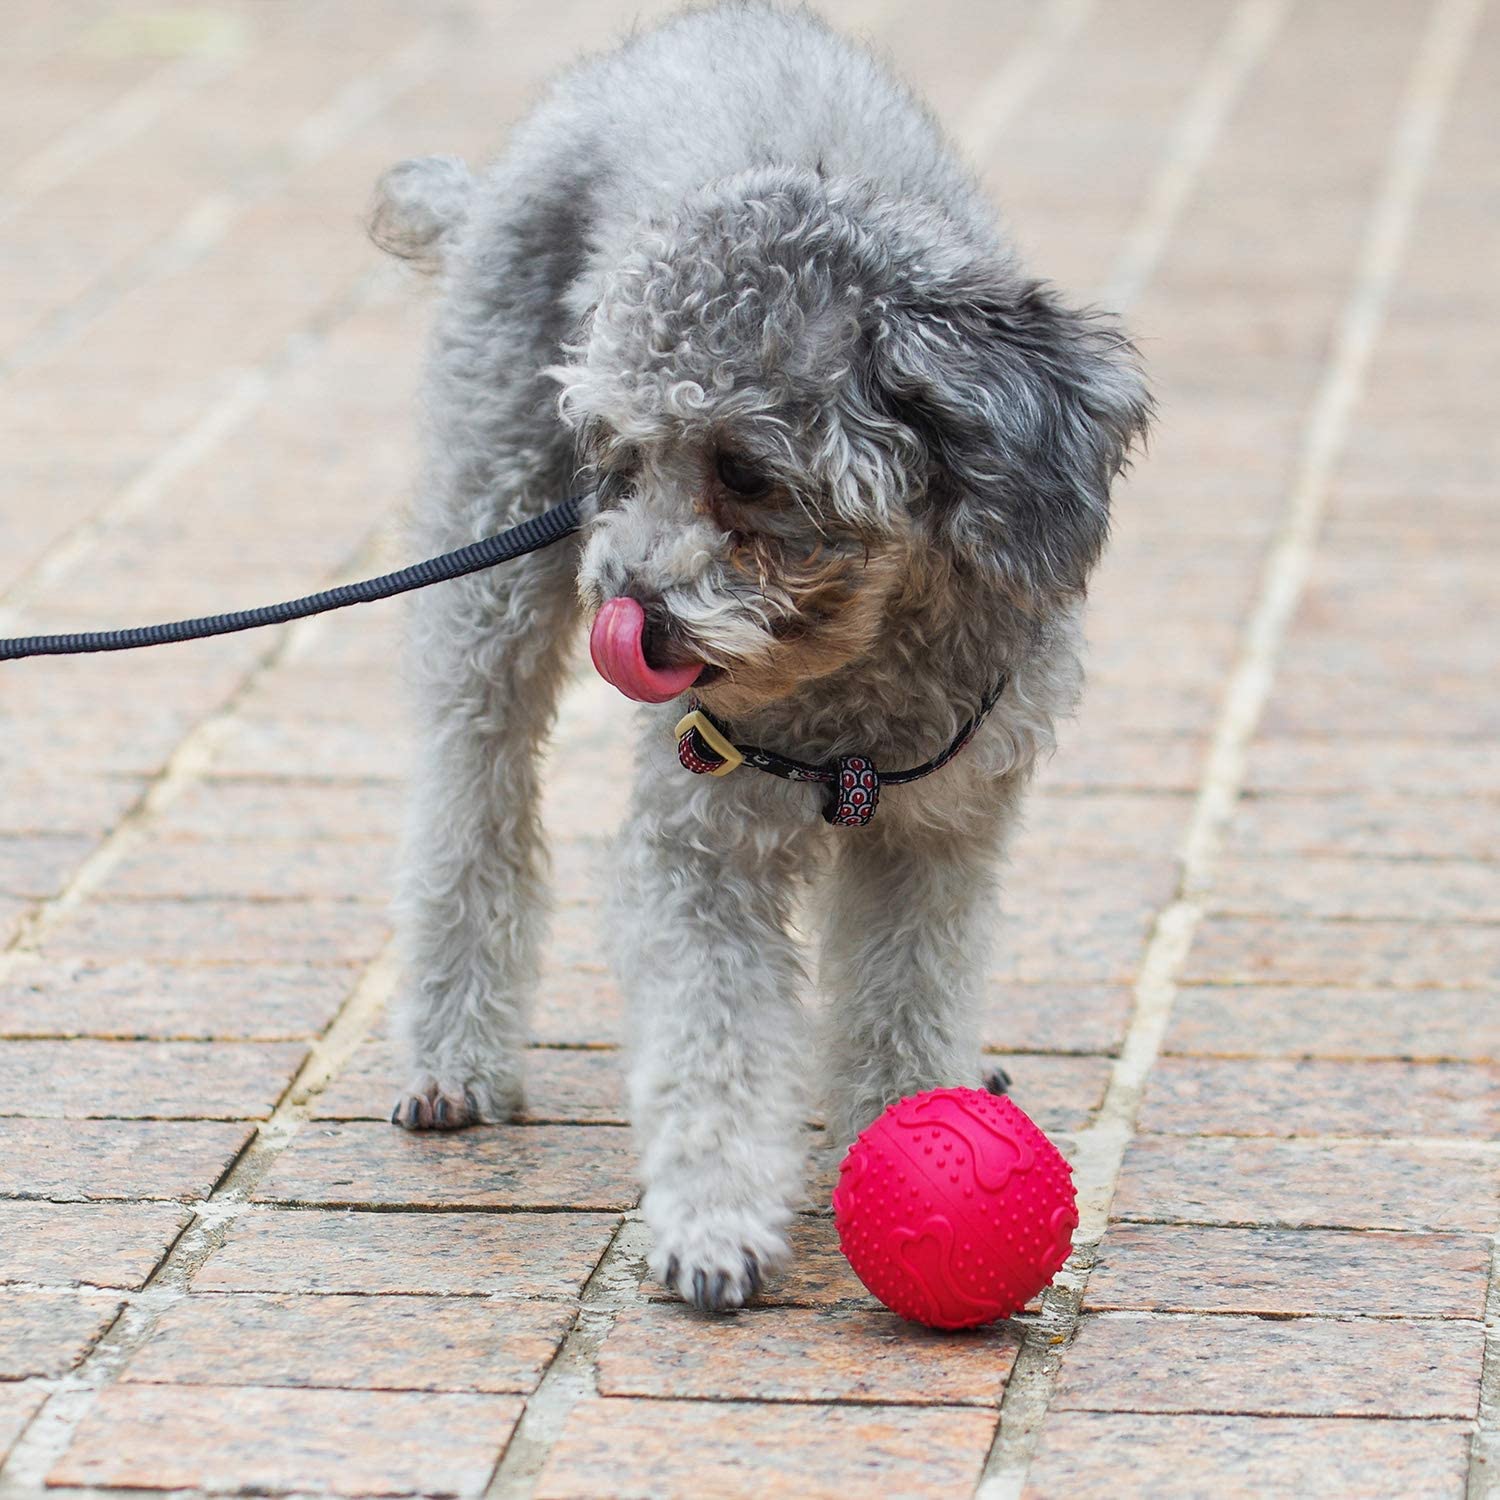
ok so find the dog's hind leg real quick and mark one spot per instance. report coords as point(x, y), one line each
point(488, 653)
point(907, 934)
point(489, 656)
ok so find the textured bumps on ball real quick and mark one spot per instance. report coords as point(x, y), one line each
point(954, 1209)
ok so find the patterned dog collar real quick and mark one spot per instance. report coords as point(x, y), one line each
point(853, 782)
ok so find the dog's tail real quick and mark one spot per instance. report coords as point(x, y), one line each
point(420, 207)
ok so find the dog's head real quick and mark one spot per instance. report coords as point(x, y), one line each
point(800, 403)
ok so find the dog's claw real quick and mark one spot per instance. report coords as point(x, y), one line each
point(998, 1082)
point(427, 1105)
point(719, 1285)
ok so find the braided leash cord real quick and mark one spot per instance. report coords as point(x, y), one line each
point(530, 536)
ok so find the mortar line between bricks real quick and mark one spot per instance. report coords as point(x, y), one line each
point(1484, 1450)
point(127, 1296)
point(210, 219)
point(871, 1404)
point(573, 1373)
point(1101, 1147)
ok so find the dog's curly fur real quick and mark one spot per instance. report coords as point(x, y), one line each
point(849, 457)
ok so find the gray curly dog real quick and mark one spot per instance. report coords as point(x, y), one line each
point(853, 467)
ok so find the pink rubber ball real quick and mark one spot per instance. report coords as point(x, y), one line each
point(954, 1208)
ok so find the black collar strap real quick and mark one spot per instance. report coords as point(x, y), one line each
point(853, 782)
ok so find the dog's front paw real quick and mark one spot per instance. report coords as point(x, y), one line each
point(717, 1264)
point(427, 1104)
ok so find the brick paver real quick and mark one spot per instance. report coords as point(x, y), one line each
point(1249, 949)
point(91, 1244)
point(1242, 1458)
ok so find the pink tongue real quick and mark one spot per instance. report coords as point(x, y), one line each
point(615, 645)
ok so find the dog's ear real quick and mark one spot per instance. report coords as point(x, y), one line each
point(1026, 411)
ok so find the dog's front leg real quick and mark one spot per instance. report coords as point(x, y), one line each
point(908, 924)
point(713, 980)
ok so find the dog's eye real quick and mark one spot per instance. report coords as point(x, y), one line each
point(740, 477)
point(622, 462)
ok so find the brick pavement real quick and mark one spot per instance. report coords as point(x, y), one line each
point(1251, 938)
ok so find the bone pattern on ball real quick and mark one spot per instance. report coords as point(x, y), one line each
point(954, 1208)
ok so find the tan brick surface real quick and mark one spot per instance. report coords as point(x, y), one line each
point(1176, 1457)
point(683, 1449)
point(1280, 1272)
point(540, 1255)
point(803, 1355)
point(1126, 763)
point(1266, 1096)
point(1055, 1017)
point(1428, 890)
point(32, 801)
point(323, 932)
point(38, 865)
point(162, 1080)
point(1314, 1367)
point(1260, 1020)
point(1059, 1093)
point(219, 809)
point(1380, 766)
point(160, 1000)
point(1440, 955)
point(17, 1404)
point(492, 1166)
point(48, 1333)
point(1285, 1037)
point(116, 1158)
point(245, 870)
point(12, 913)
point(1313, 1183)
point(340, 1442)
point(562, 1086)
point(94, 1244)
point(1370, 824)
point(363, 1342)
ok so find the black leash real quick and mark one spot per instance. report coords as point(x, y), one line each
point(853, 781)
point(702, 745)
point(530, 536)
